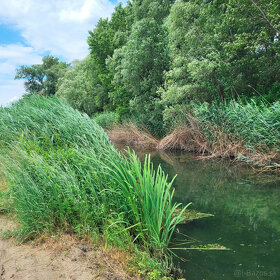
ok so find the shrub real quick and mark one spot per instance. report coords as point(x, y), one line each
point(106, 119)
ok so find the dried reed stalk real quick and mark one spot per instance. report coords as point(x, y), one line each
point(129, 134)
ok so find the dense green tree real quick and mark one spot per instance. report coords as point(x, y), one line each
point(81, 87)
point(158, 10)
point(139, 65)
point(138, 72)
point(108, 35)
point(249, 35)
point(220, 50)
point(42, 78)
point(152, 59)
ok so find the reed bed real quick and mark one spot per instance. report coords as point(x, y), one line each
point(256, 125)
point(64, 174)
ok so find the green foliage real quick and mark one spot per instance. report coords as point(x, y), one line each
point(82, 89)
point(42, 78)
point(158, 10)
point(107, 36)
point(221, 50)
point(152, 59)
point(257, 125)
point(138, 67)
point(106, 119)
point(64, 174)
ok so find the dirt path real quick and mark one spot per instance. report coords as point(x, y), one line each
point(68, 259)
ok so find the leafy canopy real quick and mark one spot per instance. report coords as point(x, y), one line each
point(42, 78)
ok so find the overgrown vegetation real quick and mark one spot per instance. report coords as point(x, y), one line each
point(63, 174)
point(245, 131)
point(153, 61)
point(256, 125)
point(106, 120)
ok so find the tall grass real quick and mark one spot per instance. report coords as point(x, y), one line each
point(64, 174)
point(257, 125)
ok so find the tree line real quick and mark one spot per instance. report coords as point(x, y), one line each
point(154, 58)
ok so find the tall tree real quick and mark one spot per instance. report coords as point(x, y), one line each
point(107, 36)
point(219, 50)
point(42, 78)
point(139, 65)
point(81, 88)
point(138, 70)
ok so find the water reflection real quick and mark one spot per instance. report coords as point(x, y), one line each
point(245, 203)
point(225, 188)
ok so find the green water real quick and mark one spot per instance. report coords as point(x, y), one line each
point(245, 203)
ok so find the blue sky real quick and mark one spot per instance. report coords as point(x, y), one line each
point(30, 29)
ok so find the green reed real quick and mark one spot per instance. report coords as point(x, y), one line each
point(258, 125)
point(64, 174)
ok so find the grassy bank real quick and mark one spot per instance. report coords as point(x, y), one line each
point(63, 174)
point(244, 131)
point(257, 125)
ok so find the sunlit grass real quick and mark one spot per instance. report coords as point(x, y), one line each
point(64, 174)
point(257, 125)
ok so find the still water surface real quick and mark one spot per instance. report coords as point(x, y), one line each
point(246, 208)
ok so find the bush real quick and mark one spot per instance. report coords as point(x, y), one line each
point(106, 119)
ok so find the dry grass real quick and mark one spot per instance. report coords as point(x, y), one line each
point(113, 263)
point(190, 138)
point(187, 138)
point(68, 249)
point(225, 147)
point(109, 259)
point(129, 134)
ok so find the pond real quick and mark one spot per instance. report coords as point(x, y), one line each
point(245, 204)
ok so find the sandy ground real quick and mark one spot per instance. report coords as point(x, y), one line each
point(65, 259)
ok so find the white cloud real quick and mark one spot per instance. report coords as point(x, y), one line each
point(10, 91)
point(10, 57)
point(6, 68)
point(84, 12)
point(18, 54)
point(58, 26)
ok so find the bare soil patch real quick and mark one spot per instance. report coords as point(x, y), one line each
point(65, 258)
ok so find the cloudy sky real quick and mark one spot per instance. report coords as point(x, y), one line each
point(30, 29)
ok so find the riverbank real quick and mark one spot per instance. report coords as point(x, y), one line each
point(242, 131)
point(245, 202)
point(190, 138)
point(60, 257)
point(63, 176)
